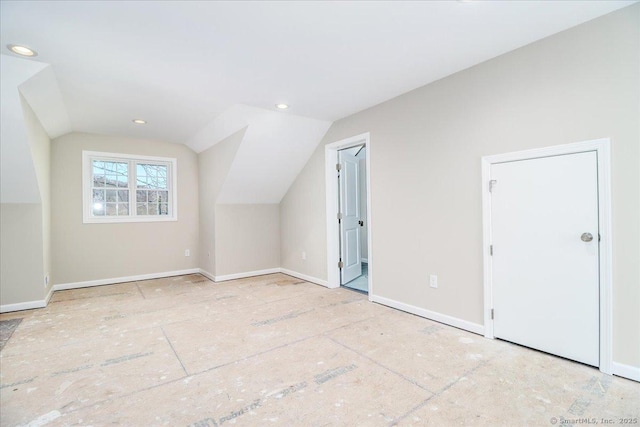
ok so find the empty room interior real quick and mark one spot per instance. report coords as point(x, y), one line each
point(320, 213)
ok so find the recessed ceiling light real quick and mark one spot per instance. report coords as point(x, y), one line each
point(282, 106)
point(22, 50)
point(139, 121)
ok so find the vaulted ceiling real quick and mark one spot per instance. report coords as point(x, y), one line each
point(194, 69)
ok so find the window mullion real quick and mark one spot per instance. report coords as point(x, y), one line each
point(132, 183)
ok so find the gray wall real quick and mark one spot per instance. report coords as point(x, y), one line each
point(21, 243)
point(25, 227)
point(233, 238)
point(213, 167)
point(41, 154)
point(83, 252)
point(247, 238)
point(426, 146)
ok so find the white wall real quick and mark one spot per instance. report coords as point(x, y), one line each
point(578, 85)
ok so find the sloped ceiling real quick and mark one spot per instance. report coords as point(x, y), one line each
point(274, 148)
point(43, 95)
point(191, 69)
point(18, 182)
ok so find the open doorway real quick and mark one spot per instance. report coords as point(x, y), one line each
point(348, 214)
point(352, 208)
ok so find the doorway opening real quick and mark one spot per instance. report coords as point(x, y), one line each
point(349, 255)
point(547, 246)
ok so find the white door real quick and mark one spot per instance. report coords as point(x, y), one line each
point(349, 223)
point(544, 233)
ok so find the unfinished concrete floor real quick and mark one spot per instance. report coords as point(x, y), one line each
point(276, 351)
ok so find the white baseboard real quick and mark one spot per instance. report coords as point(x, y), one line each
point(29, 305)
point(246, 274)
point(208, 275)
point(476, 328)
point(48, 297)
point(305, 277)
point(626, 371)
point(112, 281)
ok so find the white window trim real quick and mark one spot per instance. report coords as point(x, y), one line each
point(89, 218)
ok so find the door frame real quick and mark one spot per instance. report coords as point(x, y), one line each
point(602, 147)
point(333, 230)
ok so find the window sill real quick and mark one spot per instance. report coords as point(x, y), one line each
point(119, 220)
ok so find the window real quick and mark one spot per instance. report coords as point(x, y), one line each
point(126, 188)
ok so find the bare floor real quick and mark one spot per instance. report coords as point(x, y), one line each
point(276, 351)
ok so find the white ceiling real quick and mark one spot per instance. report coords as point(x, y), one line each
point(180, 64)
point(200, 71)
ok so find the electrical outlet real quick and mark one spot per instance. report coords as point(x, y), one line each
point(304, 255)
point(433, 281)
point(187, 252)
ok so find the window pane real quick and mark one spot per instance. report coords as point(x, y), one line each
point(98, 167)
point(98, 196)
point(152, 176)
point(98, 181)
point(153, 209)
point(111, 195)
point(123, 181)
point(163, 196)
point(142, 209)
point(164, 209)
point(111, 181)
point(123, 195)
point(122, 168)
point(153, 196)
point(123, 208)
point(110, 174)
point(98, 209)
point(112, 209)
point(141, 196)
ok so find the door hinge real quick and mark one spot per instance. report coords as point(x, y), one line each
point(340, 265)
point(492, 314)
point(339, 216)
point(599, 237)
point(491, 250)
point(492, 184)
point(338, 167)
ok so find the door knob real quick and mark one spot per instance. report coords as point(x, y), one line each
point(586, 237)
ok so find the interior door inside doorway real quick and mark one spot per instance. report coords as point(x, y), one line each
point(352, 221)
point(545, 263)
